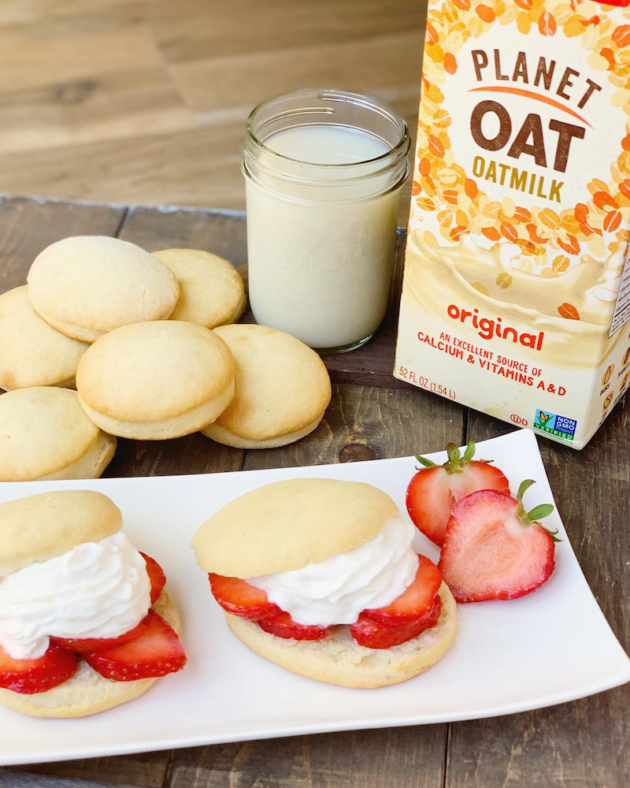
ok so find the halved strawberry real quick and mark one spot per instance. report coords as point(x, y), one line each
point(372, 634)
point(29, 676)
point(155, 653)
point(83, 645)
point(156, 576)
point(240, 598)
point(436, 488)
point(415, 601)
point(494, 549)
point(283, 626)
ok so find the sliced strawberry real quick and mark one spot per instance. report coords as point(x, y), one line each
point(436, 488)
point(372, 634)
point(493, 549)
point(155, 653)
point(83, 645)
point(415, 601)
point(240, 598)
point(29, 676)
point(156, 576)
point(283, 626)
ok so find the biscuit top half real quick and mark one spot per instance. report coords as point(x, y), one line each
point(45, 526)
point(151, 371)
point(100, 283)
point(286, 525)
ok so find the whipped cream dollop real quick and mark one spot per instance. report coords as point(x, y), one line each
point(97, 590)
point(337, 590)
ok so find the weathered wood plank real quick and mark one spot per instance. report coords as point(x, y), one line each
point(361, 423)
point(582, 744)
point(144, 770)
point(28, 226)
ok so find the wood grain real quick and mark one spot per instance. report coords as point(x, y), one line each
point(583, 744)
point(145, 101)
point(29, 226)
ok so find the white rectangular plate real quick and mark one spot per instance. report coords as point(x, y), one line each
point(549, 647)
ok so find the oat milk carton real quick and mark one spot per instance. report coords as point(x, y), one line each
point(516, 295)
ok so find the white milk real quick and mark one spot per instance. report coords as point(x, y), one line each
point(321, 239)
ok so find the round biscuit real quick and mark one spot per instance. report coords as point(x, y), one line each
point(85, 286)
point(288, 524)
point(45, 434)
point(156, 380)
point(44, 526)
point(282, 389)
point(31, 352)
point(212, 292)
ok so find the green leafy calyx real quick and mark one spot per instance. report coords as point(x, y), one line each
point(535, 514)
point(456, 462)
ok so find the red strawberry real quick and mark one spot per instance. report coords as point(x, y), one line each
point(156, 576)
point(240, 598)
point(83, 645)
point(283, 626)
point(494, 549)
point(155, 653)
point(436, 488)
point(415, 602)
point(371, 634)
point(28, 676)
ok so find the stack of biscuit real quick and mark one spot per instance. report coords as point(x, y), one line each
point(149, 341)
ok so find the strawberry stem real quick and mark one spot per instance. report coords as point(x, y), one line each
point(524, 486)
point(538, 512)
point(455, 463)
point(425, 462)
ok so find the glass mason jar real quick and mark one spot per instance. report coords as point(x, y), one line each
point(323, 171)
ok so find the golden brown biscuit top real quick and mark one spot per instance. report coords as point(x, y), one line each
point(281, 384)
point(154, 371)
point(211, 289)
point(42, 429)
point(100, 283)
point(31, 352)
point(44, 526)
point(286, 525)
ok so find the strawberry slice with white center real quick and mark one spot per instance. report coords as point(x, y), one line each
point(435, 489)
point(30, 676)
point(371, 634)
point(241, 599)
point(156, 576)
point(493, 549)
point(157, 652)
point(283, 626)
point(415, 602)
point(84, 645)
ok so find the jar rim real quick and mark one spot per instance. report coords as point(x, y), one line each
point(401, 147)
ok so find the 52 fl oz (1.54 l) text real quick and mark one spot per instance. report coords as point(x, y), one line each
point(425, 383)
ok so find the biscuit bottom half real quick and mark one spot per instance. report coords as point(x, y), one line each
point(339, 660)
point(87, 692)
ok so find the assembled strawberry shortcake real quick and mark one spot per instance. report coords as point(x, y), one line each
point(85, 620)
point(320, 577)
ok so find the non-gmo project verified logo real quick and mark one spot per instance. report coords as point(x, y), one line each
point(551, 423)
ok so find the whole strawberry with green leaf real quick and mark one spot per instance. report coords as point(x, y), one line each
point(435, 489)
point(494, 549)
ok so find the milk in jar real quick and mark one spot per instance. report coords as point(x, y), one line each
point(323, 176)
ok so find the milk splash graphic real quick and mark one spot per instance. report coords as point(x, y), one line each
point(516, 293)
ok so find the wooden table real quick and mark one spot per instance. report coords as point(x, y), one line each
point(585, 744)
